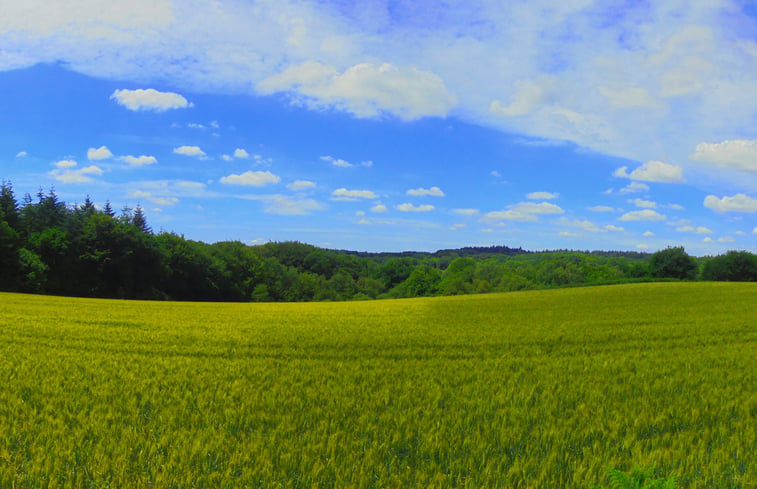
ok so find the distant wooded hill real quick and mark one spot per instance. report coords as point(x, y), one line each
point(49, 247)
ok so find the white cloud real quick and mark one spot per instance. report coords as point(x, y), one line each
point(577, 223)
point(601, 208)
point(726, 239)
point(648, 234)
point(644, 215)
point(657, 79)
point(337, 162)
point(420, 192)
point(345, 194)
point(653, 171)
point(524, 212)
point(241, 153)
point(495, 174)
point(189, 151)
point(63, 164)
point(364, 90)
point(252, 178)
point(150, 99)
point(754, 231)
point(379, 208)
point(692, 229)
point(542, 195)
point(457, 225)
point(194, 125)
point(735, 203)
point(139, 160)
point(647, 204)
point(22, 154)
point(408, 207)
point(82, 175)
point(366, 163)
point(610, 227)
point(628, 98)
point(642, 246)
point(286, 206)
point(158, 200)
point(527, 97)
point(675, 207)
point(300, 185)
point(634, 187)
point(739, 154)
point(227, 157)
point(707, 240)
point(466, 212)
point(101, 153)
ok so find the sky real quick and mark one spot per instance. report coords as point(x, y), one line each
point(393, 125)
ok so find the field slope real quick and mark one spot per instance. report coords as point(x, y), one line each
point(541, 389)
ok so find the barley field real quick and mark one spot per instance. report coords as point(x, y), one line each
point(543, 389)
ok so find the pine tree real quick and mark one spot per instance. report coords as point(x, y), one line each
point(8, 206)
point(108, 209)
point(140, 220)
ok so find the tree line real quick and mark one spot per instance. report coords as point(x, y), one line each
point(49, 247)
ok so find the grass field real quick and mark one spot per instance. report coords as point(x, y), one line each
point(541, 389)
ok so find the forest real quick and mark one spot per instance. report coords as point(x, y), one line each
point(49, 247)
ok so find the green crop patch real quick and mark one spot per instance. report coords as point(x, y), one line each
point(540, 389)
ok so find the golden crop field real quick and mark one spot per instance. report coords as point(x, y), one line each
point(543, 389)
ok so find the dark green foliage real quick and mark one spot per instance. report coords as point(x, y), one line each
point(638, 479)
point(673, 263)
point(734, 266)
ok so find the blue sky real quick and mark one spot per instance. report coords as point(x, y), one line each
point(388, 126)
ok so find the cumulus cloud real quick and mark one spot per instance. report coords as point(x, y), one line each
point(300, 185)
point(585, 225)
point(634, 187)
point(692, 229)
point(653, 171)
point(524, 212)
point(150, 100)
point(612, 228)
point(408, 207)
point(420, 192)
point(542, 195)
point(241, 153)
point(725, 239)
point(647, 204)
point(155, 199)
point(251, 178)
point(466, 212)
point(101, 153)
point(63, 164)
point(65, 172)
point(648, 234)
point(735, 203)
point(457, 225)
point(286, 206)
point(644, 215)
point(365, 90)
point(337, 162)
point(754, 231)
point(345, 194)
point(601, 208)
point(189, 151)
point(379, 208)
point(739, 154)
point(139, 160)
